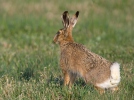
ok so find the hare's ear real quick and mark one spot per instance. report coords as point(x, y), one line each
point(73, 20)
point(65, 19)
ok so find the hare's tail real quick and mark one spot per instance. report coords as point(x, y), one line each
point(115, 73)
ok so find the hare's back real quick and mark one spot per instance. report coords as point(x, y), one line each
point(82, 55)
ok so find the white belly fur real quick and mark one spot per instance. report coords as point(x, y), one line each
point(107, 84)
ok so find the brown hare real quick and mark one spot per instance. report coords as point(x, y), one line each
point(76, 59)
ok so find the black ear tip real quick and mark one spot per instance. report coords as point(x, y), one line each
point(77, 13)
point(65, 12)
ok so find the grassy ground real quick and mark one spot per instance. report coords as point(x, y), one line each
point(29, 68)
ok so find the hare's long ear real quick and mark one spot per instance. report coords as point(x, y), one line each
point(73, 20)
point(65, 19)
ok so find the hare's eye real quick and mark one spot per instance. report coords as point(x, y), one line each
point(58, 33)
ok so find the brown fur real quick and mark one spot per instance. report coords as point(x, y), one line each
point(75, 59)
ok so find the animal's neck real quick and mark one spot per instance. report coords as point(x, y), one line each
point(65, 42)
point(64, 46)
point(69, 37)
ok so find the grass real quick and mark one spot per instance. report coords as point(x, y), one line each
point(29, 68)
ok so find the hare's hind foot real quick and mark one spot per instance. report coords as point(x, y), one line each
point(114, 89)
point(101, 91)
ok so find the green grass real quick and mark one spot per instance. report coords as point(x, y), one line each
point(29, 67)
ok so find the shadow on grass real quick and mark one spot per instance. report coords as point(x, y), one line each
point(57, 81)
point(60, 81)
point(28, 73)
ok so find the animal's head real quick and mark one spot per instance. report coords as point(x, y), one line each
point(65, 34)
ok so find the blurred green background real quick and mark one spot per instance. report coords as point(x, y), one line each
point(29, 68)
